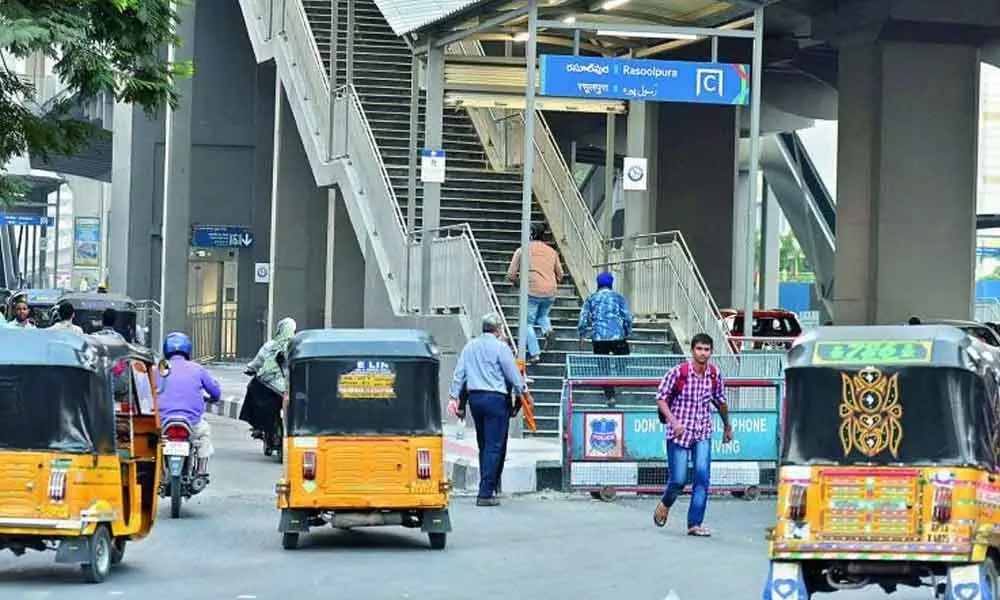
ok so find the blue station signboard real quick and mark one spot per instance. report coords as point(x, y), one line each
point(221, 236)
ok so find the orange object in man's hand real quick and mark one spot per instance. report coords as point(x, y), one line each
point(528, 406)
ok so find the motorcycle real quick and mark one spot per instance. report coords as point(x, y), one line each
point(273, 444)
point(181, 477)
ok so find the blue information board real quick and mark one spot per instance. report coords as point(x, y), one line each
point(649, 80)
point(27, 220)
point(639, 436)
point(221, 236)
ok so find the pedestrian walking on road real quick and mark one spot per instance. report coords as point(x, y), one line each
point(606, 315)
point(487, 369)
point(685, 399)
point(544, 274)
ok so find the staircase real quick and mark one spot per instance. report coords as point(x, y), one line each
point(489, 201)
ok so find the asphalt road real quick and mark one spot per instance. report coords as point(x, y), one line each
point(545, 547)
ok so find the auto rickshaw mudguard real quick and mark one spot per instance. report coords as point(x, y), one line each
point(293, 521)
point(73, 550)
point(785, 581)
point(436, 521)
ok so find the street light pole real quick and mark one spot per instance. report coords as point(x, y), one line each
point(756, 77)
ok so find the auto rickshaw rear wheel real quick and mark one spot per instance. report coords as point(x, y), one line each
point(97, 568)
point(605, 494)
point(438, 540)
point(992, 575)
point(118, 550)
point(290, 540)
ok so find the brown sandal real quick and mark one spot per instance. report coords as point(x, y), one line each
point(660, 515)
point(699, 532)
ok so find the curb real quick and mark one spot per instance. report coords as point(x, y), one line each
point(461, 461)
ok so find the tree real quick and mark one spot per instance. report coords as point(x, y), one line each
point(99, 46)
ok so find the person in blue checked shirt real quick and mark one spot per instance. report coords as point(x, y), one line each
point(486, 368)
point(606, 315)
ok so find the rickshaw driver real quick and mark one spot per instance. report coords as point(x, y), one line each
point(181, 396)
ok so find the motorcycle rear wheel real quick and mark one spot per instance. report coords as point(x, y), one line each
point(175, 496)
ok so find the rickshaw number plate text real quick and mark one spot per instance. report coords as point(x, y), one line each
point(176, 448)
point(867, 352)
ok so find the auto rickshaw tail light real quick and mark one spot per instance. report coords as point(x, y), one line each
point(423, 463)
point(57, 485)
point(309, 466)
point(797, 496)
point(942, 504)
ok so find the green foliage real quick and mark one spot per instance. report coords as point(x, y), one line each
point(99, 46)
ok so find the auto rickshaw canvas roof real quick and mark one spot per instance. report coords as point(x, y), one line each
point(362, 343)
point(946, 346)
point(115, 301)
point(63, 348)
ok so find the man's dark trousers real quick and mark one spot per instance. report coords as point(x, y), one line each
point(491, 413)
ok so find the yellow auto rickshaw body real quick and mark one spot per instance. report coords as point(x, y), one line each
point(363, 434)
point(79, 448)
point(888, 464)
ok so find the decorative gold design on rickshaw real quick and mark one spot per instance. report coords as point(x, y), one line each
point(870, 413)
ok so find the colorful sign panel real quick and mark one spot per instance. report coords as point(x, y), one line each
point(648, 80)
point(639, 436)
point(369, 380)
point(883, 352)
point(86, 242)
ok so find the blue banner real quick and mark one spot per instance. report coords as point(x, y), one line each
point(27, 220)
point(649, 80)
point(639, 436)
point(221, 236)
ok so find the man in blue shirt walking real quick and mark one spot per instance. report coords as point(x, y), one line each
point(487, 368)
point(606, 314)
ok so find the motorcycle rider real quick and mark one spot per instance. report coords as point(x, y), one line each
point(181, 396)
point(262, 405)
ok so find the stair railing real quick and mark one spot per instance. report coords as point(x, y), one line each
point(668, 280)
point(340, 111)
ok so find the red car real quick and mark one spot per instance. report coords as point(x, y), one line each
point(773, 328)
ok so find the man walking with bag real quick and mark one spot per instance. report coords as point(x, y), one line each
point(685, 399)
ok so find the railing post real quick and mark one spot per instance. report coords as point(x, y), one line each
point(332, 74)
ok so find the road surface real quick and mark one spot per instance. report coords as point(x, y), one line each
point(544, 547)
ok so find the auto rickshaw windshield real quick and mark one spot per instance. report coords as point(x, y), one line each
point(64, 409)
point(366, 397)
point(91, 321)
point(913, 415)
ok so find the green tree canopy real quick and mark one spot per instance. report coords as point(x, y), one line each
point(114, 46)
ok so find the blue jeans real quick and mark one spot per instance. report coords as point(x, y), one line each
point(677, 462)
point(538, 314)
point(491, 414)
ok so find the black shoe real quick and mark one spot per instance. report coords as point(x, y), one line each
point(488, 501)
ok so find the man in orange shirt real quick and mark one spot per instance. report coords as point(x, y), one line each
point(544, 274)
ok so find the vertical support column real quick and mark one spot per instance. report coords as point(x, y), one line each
point(770, 248)
point(640, 142)
point(431, 213)
point(331, 260)
point(279, 112)
point(177, 188)
point(530, 115)
point(55, 245)
point(756, 77)
point(411, 179)
point(609, 185)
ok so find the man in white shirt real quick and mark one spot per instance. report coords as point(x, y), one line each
point(66, 313)
point(21, 315)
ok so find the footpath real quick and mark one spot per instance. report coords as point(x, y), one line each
point(532, 464)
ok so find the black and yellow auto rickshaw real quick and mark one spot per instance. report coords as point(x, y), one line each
point(363, 434)
point(40, 304)
point(79, 450)
point(90, 306)
point(888, 465)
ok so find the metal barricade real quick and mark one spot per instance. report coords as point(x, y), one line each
point(623, 448)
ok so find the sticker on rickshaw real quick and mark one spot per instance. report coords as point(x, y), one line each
point(875, 351)
point(370, 380)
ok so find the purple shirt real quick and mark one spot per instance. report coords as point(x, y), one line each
point(693, 406)
point(180, 392)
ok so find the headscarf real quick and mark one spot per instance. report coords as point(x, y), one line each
point(265, 364)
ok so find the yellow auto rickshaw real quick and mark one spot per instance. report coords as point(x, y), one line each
point(888, 465)
point(363, 442)
point(78, 446)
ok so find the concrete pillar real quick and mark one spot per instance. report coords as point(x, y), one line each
point(345, 284)
point(738, 243)
point(906, 182)
point(638, 217)
point(696, 163)
point(89, 197)
point(177, 190)
point(770, 248)
point(430, 212)
point(299, 212)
